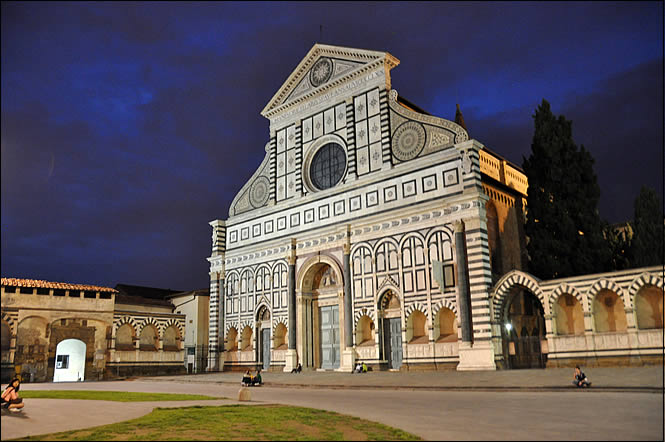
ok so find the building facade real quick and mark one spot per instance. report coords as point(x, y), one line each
point(54, 331)
point(374, 231)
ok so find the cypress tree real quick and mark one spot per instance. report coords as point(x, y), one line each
point(564, 229)
point(647, 243)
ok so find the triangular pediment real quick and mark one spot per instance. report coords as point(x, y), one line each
point(323, 67)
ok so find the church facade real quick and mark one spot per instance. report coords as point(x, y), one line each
point(371, 231)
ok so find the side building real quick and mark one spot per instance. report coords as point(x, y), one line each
point(53, 331)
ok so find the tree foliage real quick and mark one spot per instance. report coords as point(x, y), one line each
point(647, 243)
point(564, 229)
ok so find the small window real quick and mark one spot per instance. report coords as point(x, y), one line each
point(448, 275)
point(59, 292)
point(74, 293)
point(10, 289)
point(42, 291)
point(26, 290)
point(62, 361)
point(89, 295)
point(104, 295)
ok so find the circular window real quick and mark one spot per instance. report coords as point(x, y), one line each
point(328, 166)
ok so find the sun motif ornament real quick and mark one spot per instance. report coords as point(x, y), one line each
point(321, 72)
point(408, 140)
point(258, 193)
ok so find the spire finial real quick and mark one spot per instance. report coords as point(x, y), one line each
point(459, 118)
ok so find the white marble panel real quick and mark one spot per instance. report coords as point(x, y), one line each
point(375, 154)
point(318, 125)
point(290, 185)
point(307, 130)
point(281, 188)
point(329, 121)
point(362, 160)
point(281, 164)
point(373, 102)
point(281, 140)
point(361, 134)
point(340, 115)
point(290, 160)
point(290, 137)
point(360, 106)
point(374, 128)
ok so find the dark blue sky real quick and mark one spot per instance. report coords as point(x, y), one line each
point(127, 127)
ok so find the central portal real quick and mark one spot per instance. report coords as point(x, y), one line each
point(320, 314)
point(330, 354)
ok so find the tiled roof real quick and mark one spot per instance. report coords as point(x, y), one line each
point(39, 283)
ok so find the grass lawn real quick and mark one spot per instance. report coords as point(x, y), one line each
point(118, 396)
point(237, 422)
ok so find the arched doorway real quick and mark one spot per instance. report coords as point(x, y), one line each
point(263, 334)
point(319, 313)
point(69, 361)
point(524, 329)
point(391, 329)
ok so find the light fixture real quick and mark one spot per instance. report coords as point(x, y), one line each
point(509, 326)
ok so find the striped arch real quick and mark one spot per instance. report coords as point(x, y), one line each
point(570, 290)
point(446, 228)
point(281, 320)
point(378, 244)
point(639, 282)
point(177, 324)
point(263, 302)
point(418, 235)
point(383, 299)
point(447, 304)
point(229, 325)
point(11, 322)
point(246, 323)
point(603, 284)
point(277, 263)
point(363, 312)
point(150, 321)
point(415, 306)
point(358, 245)
point(507, 282)
point(125, 320)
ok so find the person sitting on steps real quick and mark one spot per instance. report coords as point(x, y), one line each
point(257, 380)
point(298, 368)
point(246, 379)
point(10, 397)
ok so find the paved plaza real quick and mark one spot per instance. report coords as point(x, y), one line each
point(623, 404)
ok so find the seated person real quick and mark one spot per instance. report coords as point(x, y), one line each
point(298, 369)
point(359, 368)
point(364, 368)
point(246, 378)
point(580, 378)
point(10, 398)
point(257, 380)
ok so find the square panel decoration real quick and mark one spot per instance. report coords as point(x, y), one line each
point(429, 183)
point(372, 198)
point(295, 219)
point(256, 230)
point(233, 237)
point(324, 212)
point(309, 216)
point(390, 193)
point(450, 177)
point(244, 233)
point(268, 226)
point(409, 188)
point(354, 203)
point(338, 208)
point(281, 223)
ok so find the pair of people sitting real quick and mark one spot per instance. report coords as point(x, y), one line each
point(249, 380)
point(361, 367)
point(10, 398)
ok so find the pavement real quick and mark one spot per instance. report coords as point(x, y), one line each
point(646, 378)
point(622, 404)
